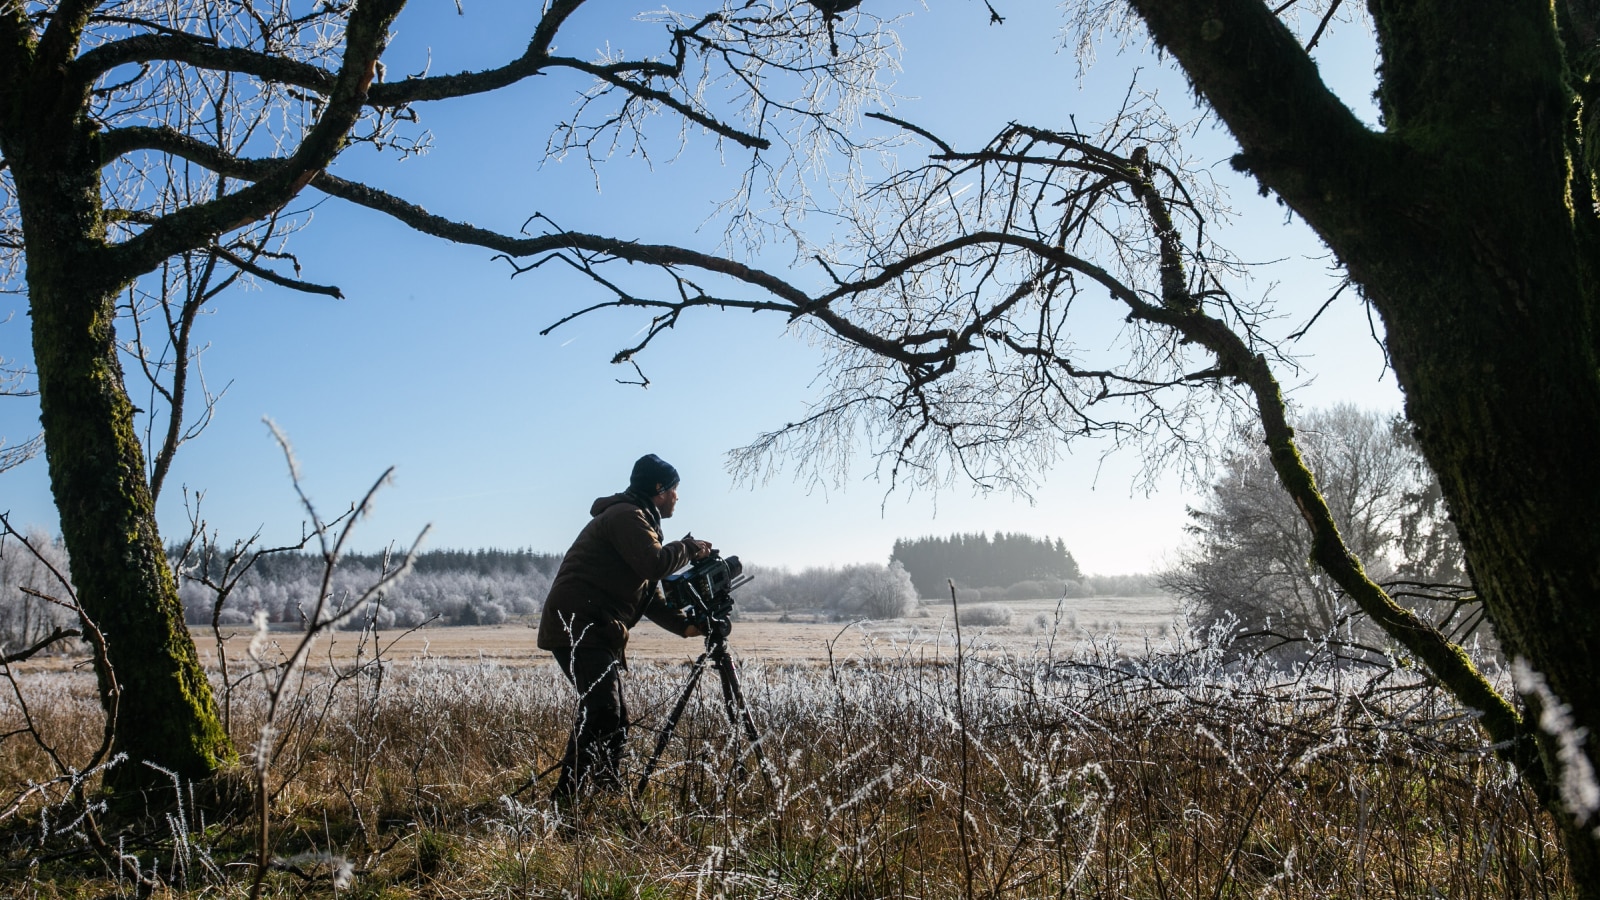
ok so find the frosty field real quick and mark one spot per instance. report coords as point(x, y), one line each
point(1128, 621)
point(1107, 754)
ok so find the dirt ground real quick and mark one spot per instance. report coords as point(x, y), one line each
point(773, 636)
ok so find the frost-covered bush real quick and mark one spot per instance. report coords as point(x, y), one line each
point(757, 603)
point(859, 590)
point(233, 617)
point(1042, 589)
point(455, 588)
point(986, 614)
point(878, 592)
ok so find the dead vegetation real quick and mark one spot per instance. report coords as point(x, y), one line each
point(910, 771)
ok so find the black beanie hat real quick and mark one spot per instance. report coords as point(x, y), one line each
point(650, 471)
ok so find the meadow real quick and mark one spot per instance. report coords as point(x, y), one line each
point(805, 635)
point(1041, 760)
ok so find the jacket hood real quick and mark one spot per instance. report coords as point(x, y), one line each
point(601, 504)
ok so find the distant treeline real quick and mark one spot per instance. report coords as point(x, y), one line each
point(476, 562)
point(487, 587)
point(447, 587)
point(978, 561)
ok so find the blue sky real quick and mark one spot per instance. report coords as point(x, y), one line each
point(499, 437)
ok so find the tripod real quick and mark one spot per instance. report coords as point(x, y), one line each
point(716, 654)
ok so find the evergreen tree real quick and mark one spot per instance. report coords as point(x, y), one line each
point(976, 560)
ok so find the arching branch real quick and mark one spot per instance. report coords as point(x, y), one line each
point(195, 225)
point(202, 53)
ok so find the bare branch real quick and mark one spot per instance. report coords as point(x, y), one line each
point(202, 52)
point(59, 634)
point(644, 92)
point(195, 225)
point(266, 274)
point(944, 148)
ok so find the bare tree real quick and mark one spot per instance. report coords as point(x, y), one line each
point(151, 150)
point(1247, 558)
point(879, 592)
point(1467, 218)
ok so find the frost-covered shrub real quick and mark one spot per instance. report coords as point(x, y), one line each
point(233, 617)
point(286, 588)
point(1041, 589)
point(407, 612)
point(879, 592)
point(757, 603)
point(861, 590)
point(986, 614)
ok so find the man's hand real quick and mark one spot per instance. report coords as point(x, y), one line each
point(697, 549)
point(719, 627)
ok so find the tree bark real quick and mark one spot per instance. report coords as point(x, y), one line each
point(1469, 225)
point(150, 679)
point(154, 685)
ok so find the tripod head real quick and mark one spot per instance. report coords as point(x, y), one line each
point(703, 594)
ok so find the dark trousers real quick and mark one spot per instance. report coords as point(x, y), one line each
point(600, 723)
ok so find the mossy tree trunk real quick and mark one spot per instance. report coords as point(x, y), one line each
point(1469, 223)
point(154, 685)
point(150, 677)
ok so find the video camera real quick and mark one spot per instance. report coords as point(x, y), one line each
point(703, 593)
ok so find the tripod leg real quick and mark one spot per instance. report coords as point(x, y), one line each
point(672, 722)
point(738, 710)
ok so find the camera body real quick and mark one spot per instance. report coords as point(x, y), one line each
point(703, 593)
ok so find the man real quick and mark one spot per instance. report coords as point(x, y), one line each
point(606, 583)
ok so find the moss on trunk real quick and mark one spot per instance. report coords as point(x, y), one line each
point(154, 685)
point(150, 677)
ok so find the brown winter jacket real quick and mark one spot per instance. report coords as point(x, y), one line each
point(607, 581)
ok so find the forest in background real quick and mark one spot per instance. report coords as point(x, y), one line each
point(976, 561)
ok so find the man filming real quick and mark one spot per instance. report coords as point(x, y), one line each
point(606, 583)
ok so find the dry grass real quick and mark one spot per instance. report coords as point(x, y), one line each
point(1063, 770)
